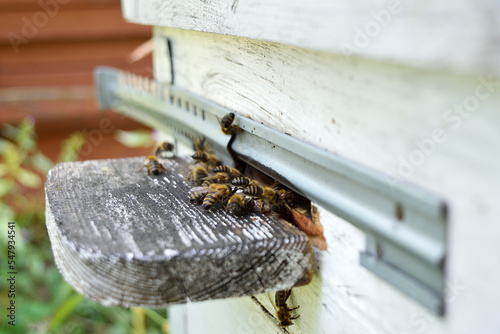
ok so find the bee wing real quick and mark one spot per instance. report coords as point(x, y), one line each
point(272, 299)
point(199, 189)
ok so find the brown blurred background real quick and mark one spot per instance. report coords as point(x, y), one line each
point(48, 72)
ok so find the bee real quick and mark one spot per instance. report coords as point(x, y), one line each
point(217, 178)
point(265, 193)
point(240, 181)
point(283, 313)
point(153, 165)
point(243, 182)
point(208, 158)
point(197, 196)
point(233, 172)
point(282, 210)
point(219, 193)
point(226, 125)
point(164, 148)
point(197, 174)
point(238, 204)
point(200, 145)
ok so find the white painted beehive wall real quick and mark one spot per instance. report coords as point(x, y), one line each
point(414, 117)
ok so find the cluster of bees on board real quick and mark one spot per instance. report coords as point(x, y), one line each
point(216, 186)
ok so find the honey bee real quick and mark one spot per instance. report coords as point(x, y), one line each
point(164, 148)
point(197, 174)
point(238, 204)
point(219, 193)
point(265, 193)
point(200, 145)
point(226, 125)
point(283, 313)
point(217, 178)
point(240, 181)
point(233, 172)
point(153, 165)
point(197, 196)
point(282, 210)
point(208, 158)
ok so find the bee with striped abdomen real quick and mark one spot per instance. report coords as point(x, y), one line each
point(197, 174)
point(283, 313)
point(265, 193)
point(208, 158)
point(244, 182)
point(153, 165)
point(200, 145)
point(226, 125)
point(217, 178)
point(238, 204)
point(219, 194)
point(232, 172)
point(164, 148)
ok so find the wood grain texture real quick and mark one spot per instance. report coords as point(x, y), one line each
point(377, 114)
point(461, 37)
point(121, 237)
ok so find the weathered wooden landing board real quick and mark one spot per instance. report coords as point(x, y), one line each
point(121, 237)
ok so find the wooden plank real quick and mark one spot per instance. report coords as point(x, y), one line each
point(67, 63)
point(23, 5)
point(121, 237)
point(423, 34)
point(438, 130)
point(19, 29)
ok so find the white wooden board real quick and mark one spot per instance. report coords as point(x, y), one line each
point(377, 114)
point(460, 36)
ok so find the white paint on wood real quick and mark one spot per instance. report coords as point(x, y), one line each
point(377, 114)
point(460, 36)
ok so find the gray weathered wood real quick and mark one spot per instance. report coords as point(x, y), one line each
point(121, 237)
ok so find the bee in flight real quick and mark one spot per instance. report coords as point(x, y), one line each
point(226, 125)
point(164, 149)
point(220, 192)
point(153, 165)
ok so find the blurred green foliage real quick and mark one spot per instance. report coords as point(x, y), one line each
point(45, 303)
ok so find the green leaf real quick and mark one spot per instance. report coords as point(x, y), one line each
point(12, 158)
point(6, 185)
point(9, 131)
point(25, 137)
point(65, 310)
point(3, 145)
point(71, 146)
point(28, 178)
point(135, 138)
point(41, 163)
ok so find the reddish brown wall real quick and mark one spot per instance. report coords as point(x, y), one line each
point(47, 57)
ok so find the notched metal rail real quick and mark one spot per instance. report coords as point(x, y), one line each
point(405, 225)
